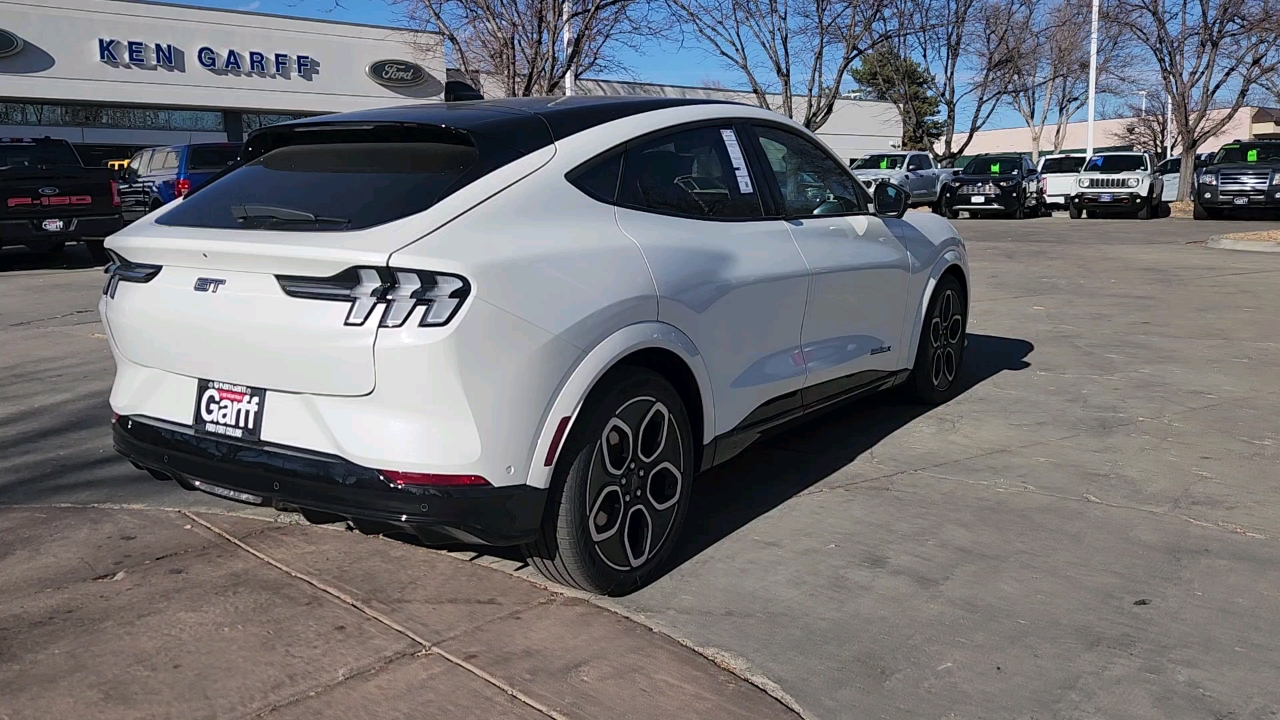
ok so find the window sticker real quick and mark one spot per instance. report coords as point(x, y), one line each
point(1252, 156)
point(739, 163)
point(884, 163)
point(995, 168)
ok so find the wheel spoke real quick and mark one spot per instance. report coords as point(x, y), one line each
point(653, 432)
point(638, 535)
point(936, 333)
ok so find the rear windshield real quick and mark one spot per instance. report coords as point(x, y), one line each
point(1061, 165)
point(1115, 163)
point(329, 187)
point(880, 162)
point(38, 154)
point(212, 157)
point(998, 165)
point(1265, 153)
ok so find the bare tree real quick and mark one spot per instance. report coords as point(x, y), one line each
point(966, 44)
point(1145, 131)
point(518, 44)
point(1050, 80)
point(1209, 54)
point(794, 54)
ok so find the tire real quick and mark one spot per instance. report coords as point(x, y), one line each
point(592, 536)
point(1144, 213)
point(1073, 212)
point(97, 251)
point(1200, 212)
point(940, 352)
point(1020, 212)
point(951, 213)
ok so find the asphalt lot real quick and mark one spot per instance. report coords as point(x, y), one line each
point(1089, 531)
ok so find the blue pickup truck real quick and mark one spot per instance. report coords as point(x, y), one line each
point(160, 175)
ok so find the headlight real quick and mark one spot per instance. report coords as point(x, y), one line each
point(1007, 183)
point(1084, 182)
point(1275, 179)
point(1134, 182)
point(1209, 179)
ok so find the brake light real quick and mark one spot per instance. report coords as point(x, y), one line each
point(115, 193)
point(402, 479)
point(182, 186)
point(398, 291)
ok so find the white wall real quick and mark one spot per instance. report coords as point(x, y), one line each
point(61, 60)
point(111, 136)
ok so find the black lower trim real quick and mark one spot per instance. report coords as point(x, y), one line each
point(290, 479)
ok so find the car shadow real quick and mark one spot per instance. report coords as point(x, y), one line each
point(731, 496)
point(75, 256)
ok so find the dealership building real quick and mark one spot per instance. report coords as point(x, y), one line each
point(116, 76)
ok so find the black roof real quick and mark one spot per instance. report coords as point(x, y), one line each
point(526, 124)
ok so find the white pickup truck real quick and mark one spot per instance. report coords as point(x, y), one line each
point(1058, 179)
point(913, 171)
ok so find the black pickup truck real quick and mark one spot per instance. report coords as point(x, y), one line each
point(51, 199)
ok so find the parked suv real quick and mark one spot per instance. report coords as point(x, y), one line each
point(1242, 175)
point(523, 321)
point(1119, 182)
point(1058, 179)
point(914, 171)
point(160, 175)
point(994, 184)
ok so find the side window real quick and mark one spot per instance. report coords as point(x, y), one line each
point(598, 178)
point(169, 161)
point(1027, 166)
point(144, 162)
point(914, 163)
point(699, 173)
point(926, 162)
point(811, 182)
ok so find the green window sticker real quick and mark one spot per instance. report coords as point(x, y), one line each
point(884, 163)
point(1252, 156)
point(995, 168)
point(1230, 147)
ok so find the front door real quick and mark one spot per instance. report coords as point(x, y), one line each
point(730, 278)
point(854, 321)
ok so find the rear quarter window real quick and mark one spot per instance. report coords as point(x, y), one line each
point(331, 186)
point(211, 157)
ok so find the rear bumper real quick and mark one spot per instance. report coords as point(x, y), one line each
point(289, 479)
point(16, 232)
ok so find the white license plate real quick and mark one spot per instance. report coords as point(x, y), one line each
point(978, 198)
point(1057, 199)
point(1240, 200)
point(229, 411)
point(1106, 198)
point(54, 225)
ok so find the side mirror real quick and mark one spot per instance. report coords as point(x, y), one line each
point(890, 200)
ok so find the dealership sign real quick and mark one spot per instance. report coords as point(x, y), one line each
point(135, 53)
point(10, 44)
point(397, 73)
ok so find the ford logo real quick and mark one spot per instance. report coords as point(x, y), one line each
point(397, 73)
point(10, 44)
point(49, 190)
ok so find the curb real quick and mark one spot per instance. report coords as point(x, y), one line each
point(1226, 242)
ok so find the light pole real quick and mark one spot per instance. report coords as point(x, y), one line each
point(568, 70)
point(1168, 121)
point(1143, 93)
point(1093, 74)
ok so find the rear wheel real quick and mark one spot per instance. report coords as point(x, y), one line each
point(621, 487)
point(940, 353)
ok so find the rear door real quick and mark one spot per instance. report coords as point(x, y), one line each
point(727, 274)
point(859, 268)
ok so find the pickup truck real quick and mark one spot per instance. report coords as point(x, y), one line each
point(1058, 179)
point(1119, 182)
point(51, 199)
point(913, 171)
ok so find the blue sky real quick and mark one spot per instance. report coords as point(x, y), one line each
point(671, 64)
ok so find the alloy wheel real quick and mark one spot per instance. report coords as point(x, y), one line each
point(634, 484)
point(946, 335)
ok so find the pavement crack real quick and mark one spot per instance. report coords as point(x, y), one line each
point(73, 313)
point(367, 669)
point(426, 647)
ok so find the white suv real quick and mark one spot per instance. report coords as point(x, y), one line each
point(519, 321)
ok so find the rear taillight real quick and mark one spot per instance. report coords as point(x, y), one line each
point(120, 270)
point(115, 193)
point(1044, 185)
point(399, 292)
point(412, 479)
point(182, 187)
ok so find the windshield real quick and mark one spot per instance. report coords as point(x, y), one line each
point(212, 157)
point(1267, 153)
point(1061, 165)
point(1115, 163)
point(38, 154)
point(993, 165)
point(880, 162)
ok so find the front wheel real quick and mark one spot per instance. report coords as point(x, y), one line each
point(1073, 212)
point(940, 352)
point(621, 487)
point(1200, 212)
